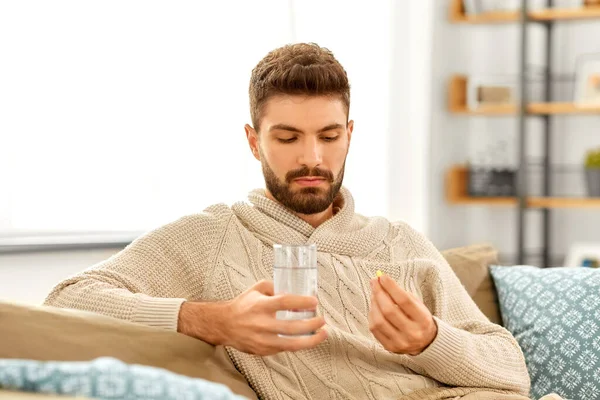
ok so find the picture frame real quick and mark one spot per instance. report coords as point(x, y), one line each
point(506, 88)
point(471, 7)
point(484, 6)
point(566, 4)
point(474, 7)
point(587, 81)
point(583, 255)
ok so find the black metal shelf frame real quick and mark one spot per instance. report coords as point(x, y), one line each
point(522, 133)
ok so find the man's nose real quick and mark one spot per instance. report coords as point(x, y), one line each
point(311, 153)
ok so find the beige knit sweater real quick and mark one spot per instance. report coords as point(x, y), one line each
point(218, 254)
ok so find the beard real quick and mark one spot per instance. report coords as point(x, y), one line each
point(308, 200)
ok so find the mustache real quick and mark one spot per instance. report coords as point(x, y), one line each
point(305, 171)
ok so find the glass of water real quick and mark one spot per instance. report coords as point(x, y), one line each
point(295, 272)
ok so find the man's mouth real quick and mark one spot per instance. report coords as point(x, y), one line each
point(310, 180)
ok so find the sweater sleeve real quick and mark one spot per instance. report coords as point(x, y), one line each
point(469, 350)
point(148, 281)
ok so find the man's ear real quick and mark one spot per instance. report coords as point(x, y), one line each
point(349, 129)
point(252, 137)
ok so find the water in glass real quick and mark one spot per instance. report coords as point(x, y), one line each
point(295, 272)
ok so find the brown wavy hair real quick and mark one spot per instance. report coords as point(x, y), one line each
point(297, 69)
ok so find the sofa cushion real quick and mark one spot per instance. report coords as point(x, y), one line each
point(46, 333)
point(470, 264)
point(554, 313)
point(107, 377)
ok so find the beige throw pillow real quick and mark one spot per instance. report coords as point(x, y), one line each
point(470, 264)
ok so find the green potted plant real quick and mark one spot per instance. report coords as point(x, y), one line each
point(592, 172)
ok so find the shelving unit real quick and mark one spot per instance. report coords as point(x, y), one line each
point(457, 104)
point(457, 194)
point(457, 178)
point(458, 16)
point(457, 191)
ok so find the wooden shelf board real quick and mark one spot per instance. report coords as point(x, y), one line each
point(457, 104)
point(457, 15)
point(485, 110)
point(532, 108)
point(486, 18)
point(456, 194)
point(532, 202)
point(484, 201)
point(565, 14)
point(560, 108)
point(562, 202)
point(499, 17)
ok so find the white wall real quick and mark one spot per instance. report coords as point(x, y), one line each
point(388, 149)
point(163, 105)
point(434, 135)
point(410, 105)
point(494, 49)
point(363, 41)
point(450, 53)
point(29, 277)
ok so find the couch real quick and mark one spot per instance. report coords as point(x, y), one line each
point(47, 333)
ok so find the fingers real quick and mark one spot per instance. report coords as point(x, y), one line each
point(388, 310)
point(290, 302)
point(265, 287)
point(301, 342)
point(299, 327)
point(390, 323)
point(381, 329)
point(409, 306)
point(379, 323)
point(385, 341)
point(283, 301)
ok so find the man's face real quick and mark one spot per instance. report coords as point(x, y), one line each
point(302, 146)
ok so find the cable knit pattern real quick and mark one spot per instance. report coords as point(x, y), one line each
point(218, 254)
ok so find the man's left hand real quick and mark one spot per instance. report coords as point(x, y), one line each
point(398, 319)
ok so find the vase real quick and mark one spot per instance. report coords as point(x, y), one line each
point(592, 176)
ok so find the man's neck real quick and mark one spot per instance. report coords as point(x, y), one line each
point(313, 219)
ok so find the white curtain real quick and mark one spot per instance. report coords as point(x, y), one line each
point(124, 115)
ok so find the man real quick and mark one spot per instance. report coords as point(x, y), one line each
point(414, 333)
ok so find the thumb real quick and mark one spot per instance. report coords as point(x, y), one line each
point(265, 287)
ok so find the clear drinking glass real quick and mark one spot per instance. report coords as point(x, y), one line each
point(295, 272)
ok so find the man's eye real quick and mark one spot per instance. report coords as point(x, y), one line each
point(290, 140)
point(330, 138)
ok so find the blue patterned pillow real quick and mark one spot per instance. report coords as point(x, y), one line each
point(107, 378)
point(554, 313)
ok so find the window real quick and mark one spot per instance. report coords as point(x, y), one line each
point(122, 116)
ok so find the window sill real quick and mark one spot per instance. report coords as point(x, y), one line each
point(28, 243)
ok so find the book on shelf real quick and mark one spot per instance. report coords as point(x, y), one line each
point(471, 7)
point(474, 7)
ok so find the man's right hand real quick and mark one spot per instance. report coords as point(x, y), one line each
point(247, 322)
